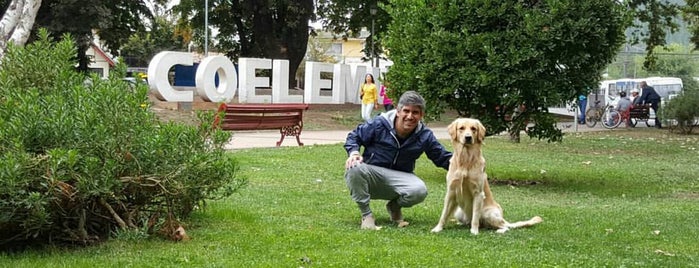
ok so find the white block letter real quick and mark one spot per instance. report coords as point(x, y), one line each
point(227, 79)
point(249, 81)
point(158, 70)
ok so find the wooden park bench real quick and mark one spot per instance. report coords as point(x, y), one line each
point(639, 113)
point(288, 118)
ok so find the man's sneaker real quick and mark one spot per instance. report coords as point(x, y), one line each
point(396, 216)
point(368, 223)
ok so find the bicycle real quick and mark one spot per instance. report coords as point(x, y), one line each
point(635, 113)
point(613, 118)
point(594, 114)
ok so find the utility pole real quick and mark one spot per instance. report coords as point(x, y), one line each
point(206, 28)
point(373, 49)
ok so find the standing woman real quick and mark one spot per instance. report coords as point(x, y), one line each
point(369, 95)
point(387, 102)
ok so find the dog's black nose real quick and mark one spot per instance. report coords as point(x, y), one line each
point(468, 139)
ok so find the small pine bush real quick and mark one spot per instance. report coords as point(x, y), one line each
point(682, 112)
point(82, 157)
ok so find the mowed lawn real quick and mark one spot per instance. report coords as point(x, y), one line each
point(623, 198)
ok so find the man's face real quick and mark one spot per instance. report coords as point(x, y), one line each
point(408, 118)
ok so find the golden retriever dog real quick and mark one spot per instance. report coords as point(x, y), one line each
point(468, 196)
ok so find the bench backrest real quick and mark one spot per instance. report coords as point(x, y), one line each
point(639, 111)
point(260, 116)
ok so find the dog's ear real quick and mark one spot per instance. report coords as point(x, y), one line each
point(451, 128)
point(481, 132)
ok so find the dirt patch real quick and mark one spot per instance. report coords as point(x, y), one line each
point(512, 182)
point(317, 117)
point(686, 196)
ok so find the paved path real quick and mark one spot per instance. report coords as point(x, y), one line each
point(261, 139)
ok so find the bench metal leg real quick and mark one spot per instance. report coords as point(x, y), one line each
point(290, 131)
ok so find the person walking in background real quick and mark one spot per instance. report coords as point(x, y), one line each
point(369, 95)
point(582, 105)
point(392, 142)
point(648, 95)
point(387, 102)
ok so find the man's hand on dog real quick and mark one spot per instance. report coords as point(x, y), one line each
point(353, 160)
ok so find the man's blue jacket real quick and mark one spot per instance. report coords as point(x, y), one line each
point(381, 146)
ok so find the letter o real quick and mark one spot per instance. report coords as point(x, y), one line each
point(227, 79)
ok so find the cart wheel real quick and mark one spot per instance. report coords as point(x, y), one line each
point(648, 122)
point(633, 122)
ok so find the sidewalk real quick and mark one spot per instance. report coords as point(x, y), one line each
point(262, 139)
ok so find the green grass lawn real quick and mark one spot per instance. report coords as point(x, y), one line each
point(627, 198)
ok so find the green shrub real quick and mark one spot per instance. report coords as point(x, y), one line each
point(83, 157)
point(682, 112)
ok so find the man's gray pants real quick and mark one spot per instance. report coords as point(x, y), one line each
point(367, 182)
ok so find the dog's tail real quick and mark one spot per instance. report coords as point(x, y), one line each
point(519, 224)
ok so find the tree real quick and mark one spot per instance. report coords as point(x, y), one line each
point(143, 45)
point(346, 18)
point(655, 18)
point(114, 21)
point(317, 51)
point(690, 12)
point(489, 59)
point(17, 22)
point(251, 28)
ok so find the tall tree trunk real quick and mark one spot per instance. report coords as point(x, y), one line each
point(297, 40)
point(279, 33)
point(17, 23)
point(24, 28)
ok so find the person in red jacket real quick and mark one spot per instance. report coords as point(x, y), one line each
point(387, 102)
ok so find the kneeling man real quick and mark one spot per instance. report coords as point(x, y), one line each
point(392, 142)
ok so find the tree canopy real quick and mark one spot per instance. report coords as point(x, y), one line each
point(504, 62)
point(114, 21)
point(346, 18)
point(251, 28)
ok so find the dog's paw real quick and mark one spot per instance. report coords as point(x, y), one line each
point(474, 231)
point(437, 229)
point(372, 227)
point(502, 230)
point(402, 224)
point(537, 219)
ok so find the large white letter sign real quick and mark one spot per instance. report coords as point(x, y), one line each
point(249, 81)
point(339, 86)
point(158, 70)
point(352, 79)
point(314, 83)
point(227, 79)
point(280, 83)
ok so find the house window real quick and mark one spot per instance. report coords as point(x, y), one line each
point(335, 49)
point(98, 71)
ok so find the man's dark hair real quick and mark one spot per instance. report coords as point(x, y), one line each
point(411, 98)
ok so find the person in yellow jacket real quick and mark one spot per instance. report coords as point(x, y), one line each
point(369, 95)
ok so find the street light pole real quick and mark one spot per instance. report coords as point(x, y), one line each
point(206, 28)
point(373, 50)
